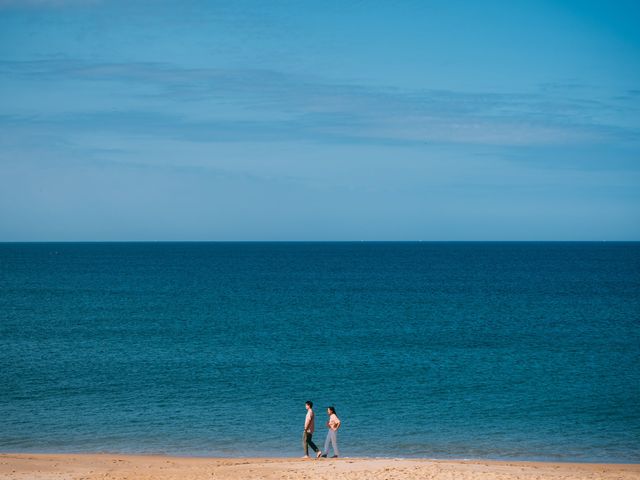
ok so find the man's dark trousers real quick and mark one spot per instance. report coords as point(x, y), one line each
point(308, 442)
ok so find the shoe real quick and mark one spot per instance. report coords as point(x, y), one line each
point(324, 455)
point(335, 456)
point(305, 456)
point(319, 454)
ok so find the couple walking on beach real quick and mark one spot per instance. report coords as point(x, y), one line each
point(309, 427)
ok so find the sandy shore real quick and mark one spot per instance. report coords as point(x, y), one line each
point(116, 467)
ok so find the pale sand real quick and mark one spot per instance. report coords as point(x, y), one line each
point(117, 467)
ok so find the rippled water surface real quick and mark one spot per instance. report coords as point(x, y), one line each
point(499, 350)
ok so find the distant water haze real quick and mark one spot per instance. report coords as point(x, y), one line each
point(491, 350)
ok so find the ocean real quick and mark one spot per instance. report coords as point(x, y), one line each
point(436, 350)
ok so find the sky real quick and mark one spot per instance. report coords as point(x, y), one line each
point(299, 120)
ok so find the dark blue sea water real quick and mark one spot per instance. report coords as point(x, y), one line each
point(467, 350)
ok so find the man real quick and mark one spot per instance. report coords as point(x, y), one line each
point(309, 427)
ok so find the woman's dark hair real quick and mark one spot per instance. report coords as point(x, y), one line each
point(310, 403)
point(333, 410)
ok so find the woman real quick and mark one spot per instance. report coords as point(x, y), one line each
point(332, 434)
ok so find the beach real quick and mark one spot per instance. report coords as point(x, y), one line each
point(147, 467)
point(401, 237)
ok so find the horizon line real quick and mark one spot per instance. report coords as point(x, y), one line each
point(316, 241)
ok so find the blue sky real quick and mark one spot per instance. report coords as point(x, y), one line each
point(350, 120)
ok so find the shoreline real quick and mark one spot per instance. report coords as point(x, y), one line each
point(124, 453)
point(93, 466)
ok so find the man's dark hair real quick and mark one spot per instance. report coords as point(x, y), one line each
point(310, 403)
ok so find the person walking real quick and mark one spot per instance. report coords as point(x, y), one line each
point(332, 435)
point(307, 435)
